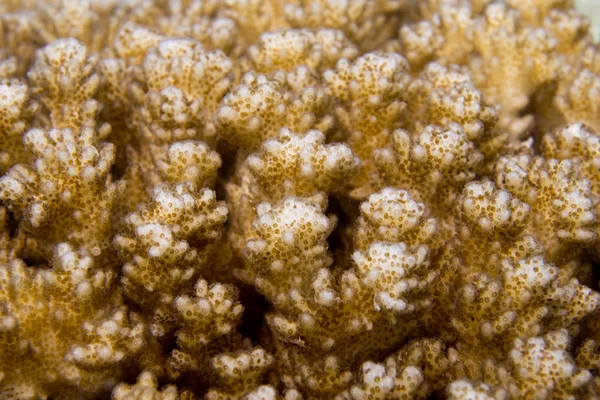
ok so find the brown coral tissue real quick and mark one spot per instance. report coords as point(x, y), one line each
point(299, 199)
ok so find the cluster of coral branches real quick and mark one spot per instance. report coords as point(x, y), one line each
point(303, 199)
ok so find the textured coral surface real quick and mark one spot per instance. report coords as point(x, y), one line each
point(299, 199)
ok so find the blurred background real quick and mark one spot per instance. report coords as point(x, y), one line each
point(591, 8)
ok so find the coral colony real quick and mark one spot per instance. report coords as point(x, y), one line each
point(303, 199)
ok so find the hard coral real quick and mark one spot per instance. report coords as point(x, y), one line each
point(304, 199)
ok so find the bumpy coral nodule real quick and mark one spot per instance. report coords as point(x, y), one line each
point(299, 199)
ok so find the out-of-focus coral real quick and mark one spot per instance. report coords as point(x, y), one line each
point(501, 41)
point(63, 78)
point(366, 22)
point(369, 89)
point(298, 199)
point(530, 62)
point(283, 50)
point(146, 387)
point(575, 97)
point(65, 330)
point(260, 106)
point(180, 88)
